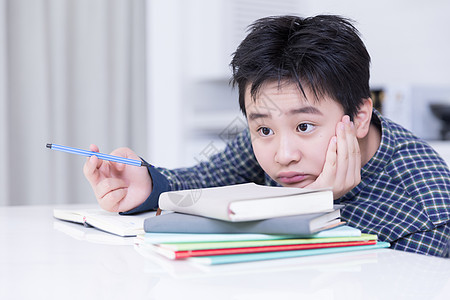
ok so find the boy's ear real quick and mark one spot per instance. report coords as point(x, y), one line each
point(363, 117)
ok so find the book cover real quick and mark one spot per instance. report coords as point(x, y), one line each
point(247, 202)
point(122, 225)
point(305, 224)
point(172, 254)
point(237, 258)
point(157, 237)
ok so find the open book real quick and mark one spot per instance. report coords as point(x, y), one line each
point(122, 225)
point(247, 202)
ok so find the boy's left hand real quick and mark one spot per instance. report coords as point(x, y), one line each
point(342, 168)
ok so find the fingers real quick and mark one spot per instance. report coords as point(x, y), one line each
point(342, 150)
point(91, 169)
point(342, 167)
point(112, 182)
point(110, 192)
point(330, 166)
point(92, 163)
point(112, 200)
point(123, 152)
point(348, 173)
point(94, 148)
point(354, 154)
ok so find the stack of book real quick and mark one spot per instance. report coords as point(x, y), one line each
point(249, 222)
point(212, 249)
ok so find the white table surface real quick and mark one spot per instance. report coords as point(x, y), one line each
point(44, 258)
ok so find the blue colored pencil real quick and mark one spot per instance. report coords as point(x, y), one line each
point(118, 159)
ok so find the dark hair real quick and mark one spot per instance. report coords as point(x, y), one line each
point(323, 53)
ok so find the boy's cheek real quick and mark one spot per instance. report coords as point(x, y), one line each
point(263, 156)
point(316, 154)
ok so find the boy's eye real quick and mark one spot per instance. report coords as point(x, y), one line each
point(305, 127)
point(265, 131)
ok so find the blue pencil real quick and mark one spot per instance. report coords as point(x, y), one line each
point(118, 159)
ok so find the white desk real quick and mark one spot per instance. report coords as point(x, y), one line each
point(43, 258)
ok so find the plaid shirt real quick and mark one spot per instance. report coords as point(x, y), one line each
point(403, 197)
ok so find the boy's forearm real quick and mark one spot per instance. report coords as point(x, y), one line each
point(433, 242)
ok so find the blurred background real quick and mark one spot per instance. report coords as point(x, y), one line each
point(153, 75)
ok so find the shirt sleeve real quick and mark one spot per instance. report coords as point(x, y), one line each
point(405, 203)
point(434, 242)
point(160, 185)
point(426, 180)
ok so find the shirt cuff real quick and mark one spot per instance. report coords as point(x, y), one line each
point(160, 185)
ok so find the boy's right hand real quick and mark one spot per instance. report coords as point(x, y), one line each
point(117, 187)
point(342, 168)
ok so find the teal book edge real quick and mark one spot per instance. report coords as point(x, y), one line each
point(226, 259)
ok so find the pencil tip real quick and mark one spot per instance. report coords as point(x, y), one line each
point(145, 164)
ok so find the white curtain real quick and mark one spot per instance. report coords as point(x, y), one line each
point(72, 72)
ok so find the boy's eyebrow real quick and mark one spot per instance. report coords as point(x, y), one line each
point(305, 110)
point(254, 116)
point(301, 110)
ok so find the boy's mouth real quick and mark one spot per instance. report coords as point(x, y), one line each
point(290, 177)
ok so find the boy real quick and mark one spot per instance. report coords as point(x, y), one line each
point(304, 89)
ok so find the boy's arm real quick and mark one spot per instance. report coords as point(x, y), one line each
point(235, 164)
point(434, 242)
point(426, 179)
point(406, 202)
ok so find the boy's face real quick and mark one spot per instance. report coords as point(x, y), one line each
point(290, 135)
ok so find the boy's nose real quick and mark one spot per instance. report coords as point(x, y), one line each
point(287, 151)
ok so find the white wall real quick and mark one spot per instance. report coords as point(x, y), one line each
point(164, 81)
point(408, 40)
